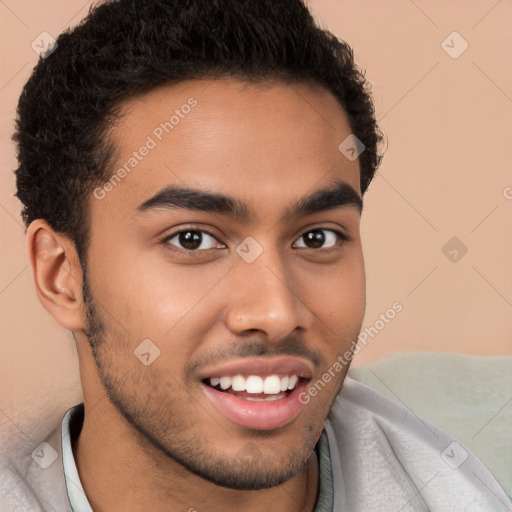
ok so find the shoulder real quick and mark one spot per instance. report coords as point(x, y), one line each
point(31, 472)
point(384, 457)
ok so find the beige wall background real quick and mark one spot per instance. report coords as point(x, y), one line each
point(446, 179)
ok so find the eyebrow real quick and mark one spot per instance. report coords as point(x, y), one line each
point(337, 194)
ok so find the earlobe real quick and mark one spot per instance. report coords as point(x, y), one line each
point(56, 273)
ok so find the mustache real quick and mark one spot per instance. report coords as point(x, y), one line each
point(289, 346)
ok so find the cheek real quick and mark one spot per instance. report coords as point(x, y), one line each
point(151, 298)
point(140, 283)
point(337, 295)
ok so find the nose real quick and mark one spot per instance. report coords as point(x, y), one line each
point(265, 297)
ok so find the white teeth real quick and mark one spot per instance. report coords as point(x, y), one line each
point(225, 382)
point(238, 383)
point(271, 385)
point(292, 381)
point(254, 384)
point(269, 398)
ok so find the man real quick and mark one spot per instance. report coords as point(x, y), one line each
point(192, 176)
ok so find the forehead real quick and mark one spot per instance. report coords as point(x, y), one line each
point(256, 142)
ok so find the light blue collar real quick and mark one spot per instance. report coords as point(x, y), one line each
point(73, 418)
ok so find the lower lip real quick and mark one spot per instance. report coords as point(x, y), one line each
point(259, 415)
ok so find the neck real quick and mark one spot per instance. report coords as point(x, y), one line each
point(121, 471)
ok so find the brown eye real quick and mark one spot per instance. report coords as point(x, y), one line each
point(192, 240)
point(321, 238)
point(314, 239)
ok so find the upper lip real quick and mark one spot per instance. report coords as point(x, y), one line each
point(281, 365)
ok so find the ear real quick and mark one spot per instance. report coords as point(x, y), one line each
point(57, 273)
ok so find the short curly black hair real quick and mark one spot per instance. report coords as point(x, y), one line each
point(127, 47)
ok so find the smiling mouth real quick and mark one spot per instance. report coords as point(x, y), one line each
point(255, 387)
point(257, 393)
point(257, 402)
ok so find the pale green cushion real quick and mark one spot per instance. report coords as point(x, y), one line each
point(468, 396)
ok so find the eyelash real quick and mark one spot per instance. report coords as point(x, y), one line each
point(342, 237)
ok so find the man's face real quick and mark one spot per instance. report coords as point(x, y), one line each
point(178, 317)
